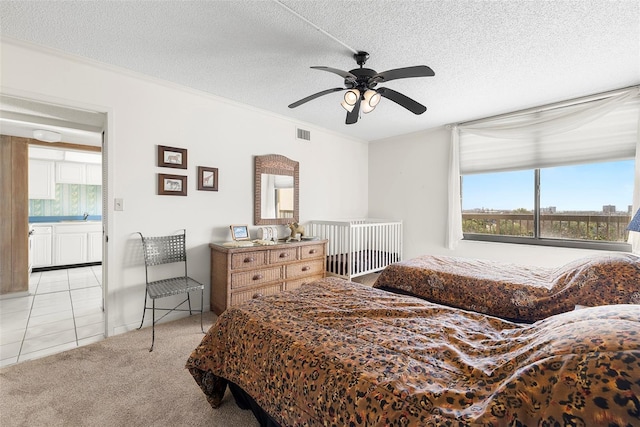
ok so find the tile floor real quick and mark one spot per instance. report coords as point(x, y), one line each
point(62, 311)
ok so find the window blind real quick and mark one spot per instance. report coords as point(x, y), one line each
point(602, 130)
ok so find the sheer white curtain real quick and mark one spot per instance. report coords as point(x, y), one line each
point(634, 237)
point(454, 230)
point(604, 129)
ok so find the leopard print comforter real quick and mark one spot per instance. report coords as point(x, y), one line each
point(337, 353)
point(517, 292)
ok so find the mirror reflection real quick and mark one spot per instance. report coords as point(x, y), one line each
point(277, 196)
point(276, 190)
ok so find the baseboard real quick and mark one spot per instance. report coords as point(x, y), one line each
point(64, 267)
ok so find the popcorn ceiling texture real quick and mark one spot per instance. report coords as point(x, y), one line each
point(489, 57)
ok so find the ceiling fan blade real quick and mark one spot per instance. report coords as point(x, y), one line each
point(402, 100)
point(352, 116)
point(344, 74)
point(403, 73)
point(314, 96)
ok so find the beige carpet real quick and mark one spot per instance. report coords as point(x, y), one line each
point(117, 382)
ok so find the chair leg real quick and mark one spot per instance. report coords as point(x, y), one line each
point(144, 310)
point(189, 300)
point(153, 325)
point(201, 308)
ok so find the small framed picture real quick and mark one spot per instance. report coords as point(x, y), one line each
point(239, 232)
point(171, 157)
point(172, 185)
point(207, 178)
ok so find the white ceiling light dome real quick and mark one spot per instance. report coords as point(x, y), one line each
point(47, 135)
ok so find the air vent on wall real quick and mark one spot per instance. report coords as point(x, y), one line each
point(303, 134)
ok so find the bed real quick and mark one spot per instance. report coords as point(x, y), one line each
point(517, 292)
point(359, 247)
point(338, 353)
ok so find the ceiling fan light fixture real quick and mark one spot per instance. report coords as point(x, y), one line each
point(366, 108)
point(371, 99)
point(346, 106)
point(351, 97)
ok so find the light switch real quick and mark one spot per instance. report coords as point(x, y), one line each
point(118, 204)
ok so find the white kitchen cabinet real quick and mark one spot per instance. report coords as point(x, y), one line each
point(94, 246)
point(70, 173)
point(70, 248)
point(41, 246)
point(42, 184)
point(77, 243)
point(93, 174)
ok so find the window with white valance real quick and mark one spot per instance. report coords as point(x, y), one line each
point(602, 128)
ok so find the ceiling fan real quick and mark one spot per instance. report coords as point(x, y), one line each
point(360, 85)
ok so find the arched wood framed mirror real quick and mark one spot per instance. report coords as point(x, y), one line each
point(276, 190)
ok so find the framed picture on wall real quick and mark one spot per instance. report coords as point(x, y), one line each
point(172, 157)
point(239, 232)
point(172, 185)
point(207, 178)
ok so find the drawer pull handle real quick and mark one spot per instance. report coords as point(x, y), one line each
point(257, 277)
point(284, 255)
point(312, 251)
point(249, 259)
point(257, 295)
point(306, 268)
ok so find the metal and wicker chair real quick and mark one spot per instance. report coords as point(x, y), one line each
point(167, 250)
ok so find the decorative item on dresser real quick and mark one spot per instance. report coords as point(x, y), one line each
point(239, 274)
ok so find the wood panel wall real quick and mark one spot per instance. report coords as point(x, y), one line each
point(14, 214)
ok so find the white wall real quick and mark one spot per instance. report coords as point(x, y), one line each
point(143, 113)
point(408, 181)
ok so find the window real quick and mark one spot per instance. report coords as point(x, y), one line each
point(575, 204)
point(561, 175)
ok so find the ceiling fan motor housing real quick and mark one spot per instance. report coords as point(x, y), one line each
point(363, 79)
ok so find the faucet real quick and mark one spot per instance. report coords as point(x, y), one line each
point(85, 216)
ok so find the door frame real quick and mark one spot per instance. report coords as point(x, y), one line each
point(107, 180)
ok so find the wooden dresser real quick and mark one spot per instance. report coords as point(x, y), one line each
point(239, 274)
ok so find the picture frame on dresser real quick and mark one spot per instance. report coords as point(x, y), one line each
point(239, 232)
point(172, 157)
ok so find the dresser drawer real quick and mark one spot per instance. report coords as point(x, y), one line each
point(282, 255)
point(250, 278)
point(308, 268)
point(248, 260)
point(312, 251)
point(240, 297)
point(237, 274)
point(296, 283)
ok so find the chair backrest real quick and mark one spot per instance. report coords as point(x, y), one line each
point(165, 250)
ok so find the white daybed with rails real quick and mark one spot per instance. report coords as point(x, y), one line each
point(359, 247)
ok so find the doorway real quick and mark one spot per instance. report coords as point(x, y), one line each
point(81, 131)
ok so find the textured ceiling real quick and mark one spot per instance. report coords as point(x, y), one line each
point(489, 57)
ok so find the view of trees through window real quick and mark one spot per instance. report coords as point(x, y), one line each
point(579, 202)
